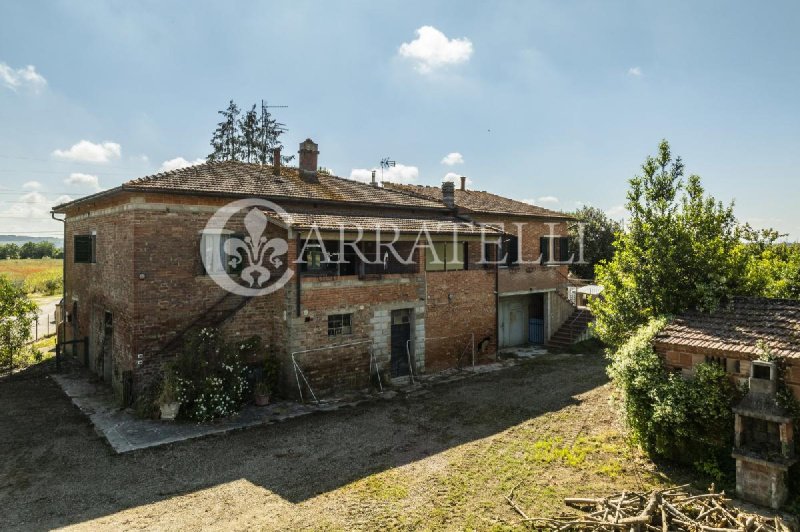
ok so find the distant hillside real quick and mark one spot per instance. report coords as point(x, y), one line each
point(18, 239)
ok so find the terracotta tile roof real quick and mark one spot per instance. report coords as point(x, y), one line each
point(405, 224)
point(478, 201)
point(228, 177)
point(738, 325)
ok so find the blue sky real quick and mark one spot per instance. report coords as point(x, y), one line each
point(554, 102)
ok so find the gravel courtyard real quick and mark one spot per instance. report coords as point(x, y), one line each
point(440, 461)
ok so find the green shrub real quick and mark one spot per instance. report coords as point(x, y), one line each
point(685, 419)
point(210, 376)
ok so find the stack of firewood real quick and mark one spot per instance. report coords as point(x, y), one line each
point(661, 510)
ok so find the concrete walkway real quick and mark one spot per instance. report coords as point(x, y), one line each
point(125, 432)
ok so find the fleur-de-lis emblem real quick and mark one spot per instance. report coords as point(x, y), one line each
point(255, 247)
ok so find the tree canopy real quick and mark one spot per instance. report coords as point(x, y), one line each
point(595, 231)
point(17, 314)
point(249, 138)
point(681, 250)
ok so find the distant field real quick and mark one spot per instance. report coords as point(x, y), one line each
point(42, 276)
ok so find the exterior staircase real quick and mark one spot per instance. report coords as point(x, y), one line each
point(215, 316)
point(573, 329)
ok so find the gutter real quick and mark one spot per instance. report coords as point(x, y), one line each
point(63, 281)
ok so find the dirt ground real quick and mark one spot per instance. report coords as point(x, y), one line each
point(440, 461)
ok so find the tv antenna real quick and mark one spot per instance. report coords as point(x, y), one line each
point(385, 164)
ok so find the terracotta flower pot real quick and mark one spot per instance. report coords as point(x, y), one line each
point(169, 411)
point(261, 399)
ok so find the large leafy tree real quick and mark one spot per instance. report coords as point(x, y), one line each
point(17, 314)
point(595, 231)
point(681, 250)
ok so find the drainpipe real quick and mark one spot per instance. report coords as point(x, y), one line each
point(497, 304)
point(63, 287)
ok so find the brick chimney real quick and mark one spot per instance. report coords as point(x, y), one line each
point(276, 161)
point(374, 181)
point(449, 194)
point(463, 182)
point(308, 161)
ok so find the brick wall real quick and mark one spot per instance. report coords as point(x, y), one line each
point(104, 286)
point(683, 358)
point(149, 275)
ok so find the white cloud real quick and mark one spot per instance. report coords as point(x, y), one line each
point(432, 49)
point(79, 179)
point(26, 78)
point(455, 178)
point(635, 71)
point(34, 198)
point(543, 200)
point(396, 174)
point(453, 158)
point(617, 212)
point(30, 213)
point(32, 185)
point(178, 162)
point(64, 198)
point(90, 152)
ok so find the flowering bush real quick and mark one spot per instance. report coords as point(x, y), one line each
point(211, 376)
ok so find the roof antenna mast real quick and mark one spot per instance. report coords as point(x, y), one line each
point(385, 164)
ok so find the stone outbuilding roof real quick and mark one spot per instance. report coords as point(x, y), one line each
point(738, 325)
point(479, 201)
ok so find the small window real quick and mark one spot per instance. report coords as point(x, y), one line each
point(84, 248)
point(340, 324)
point(215, 259)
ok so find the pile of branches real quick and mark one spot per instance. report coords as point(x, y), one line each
point(661, 510)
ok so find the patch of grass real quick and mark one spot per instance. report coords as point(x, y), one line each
point(43, 276)
point(381, 488)
point(590, 346)
point(38, 352)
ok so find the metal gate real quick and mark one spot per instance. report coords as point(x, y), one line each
point(536, 331)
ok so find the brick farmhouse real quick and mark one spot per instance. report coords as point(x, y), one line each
point(141, 270)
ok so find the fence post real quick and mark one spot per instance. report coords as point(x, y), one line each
point(58, 356)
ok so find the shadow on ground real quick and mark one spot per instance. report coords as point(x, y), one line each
point(55, 471)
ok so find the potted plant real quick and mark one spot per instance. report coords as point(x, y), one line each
point(168, 399)
point(261, 393)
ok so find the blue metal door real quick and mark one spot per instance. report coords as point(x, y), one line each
point(536, 331)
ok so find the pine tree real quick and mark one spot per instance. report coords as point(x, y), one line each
point(249, 134)
point(226, 140)
point(268, 137)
